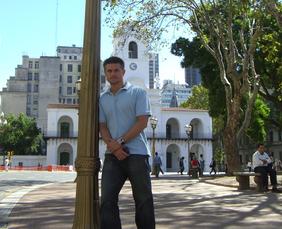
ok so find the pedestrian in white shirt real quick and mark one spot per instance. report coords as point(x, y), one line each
point(260, 165)
point(7, 161)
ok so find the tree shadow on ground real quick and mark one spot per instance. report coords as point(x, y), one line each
point(179, 204)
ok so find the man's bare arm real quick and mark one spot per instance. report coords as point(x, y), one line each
point(139, 126)
point(112, 145)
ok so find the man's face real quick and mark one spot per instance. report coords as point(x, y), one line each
point(114, 73)
point(261, 148)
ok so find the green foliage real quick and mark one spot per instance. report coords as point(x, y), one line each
point(194, 54)
point(219, 156)
point(20, 134)
point(269, 66)
point(198, 99)
point(268, 59)
point(258, 125)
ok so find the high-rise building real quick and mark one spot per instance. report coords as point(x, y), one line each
point(192, 76)
point(33, 87)
point(153, 69)
point(70, 71)
point(42, 81)
point(172, 95)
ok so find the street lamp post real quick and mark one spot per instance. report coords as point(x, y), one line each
point(188, 129)
point(78, 86)
point(87, 162)
point(154, 122)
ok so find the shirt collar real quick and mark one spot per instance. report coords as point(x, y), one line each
point(125, 86)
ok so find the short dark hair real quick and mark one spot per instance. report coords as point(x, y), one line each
point(113, 60)
point(259, 145)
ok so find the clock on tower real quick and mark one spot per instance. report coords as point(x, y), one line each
point(133, 66)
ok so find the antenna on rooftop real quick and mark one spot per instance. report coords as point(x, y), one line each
point(56, 25)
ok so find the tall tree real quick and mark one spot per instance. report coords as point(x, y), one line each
point(20, 134)
point(198, 100)
point(229, 31)
point(197, 56)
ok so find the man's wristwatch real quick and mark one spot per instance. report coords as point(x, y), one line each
point(121, 140)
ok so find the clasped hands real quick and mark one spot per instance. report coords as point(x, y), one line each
point(116, 149)
point(264, 161)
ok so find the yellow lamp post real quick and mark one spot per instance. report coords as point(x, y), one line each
point(188, 130)
point(78, 86)
point(87, 162)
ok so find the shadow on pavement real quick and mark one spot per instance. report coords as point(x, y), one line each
point(179, 204)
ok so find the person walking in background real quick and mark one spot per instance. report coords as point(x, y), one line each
point(213, 166)
point(262, 164)
point(181, 165)
point(124, 110)
point(202, 165)
point(157, 163)
point(7, 162)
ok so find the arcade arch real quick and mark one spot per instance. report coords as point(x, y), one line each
point(172, 158)
point(65, 154)
point(197, 128)
point(172, 128)
point(65, 127)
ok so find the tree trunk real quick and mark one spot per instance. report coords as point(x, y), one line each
point(230, 136)
point(231, 150)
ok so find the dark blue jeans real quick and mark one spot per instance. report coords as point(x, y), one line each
point(265, 170)
point(137, 169)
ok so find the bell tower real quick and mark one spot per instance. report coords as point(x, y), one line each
point(141, 65)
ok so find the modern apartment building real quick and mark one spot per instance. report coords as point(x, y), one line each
point(192, 76)
point(70, 71)
point(172, 94)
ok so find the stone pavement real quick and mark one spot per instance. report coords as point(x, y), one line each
point(180, 203)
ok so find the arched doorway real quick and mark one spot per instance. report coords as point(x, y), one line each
point(172, 158)
point(64, 158)
point(172, 128)
point(196, 150)
point(65, 127)
point(65, 154)
point(197, 129)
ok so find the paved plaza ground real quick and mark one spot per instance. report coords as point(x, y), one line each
point(180, 203)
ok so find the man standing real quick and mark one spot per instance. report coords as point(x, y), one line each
point(202, 165)
point(157, 163)
point(181, 165)
point(260, 164)
point(213, 166)
point(123, 116)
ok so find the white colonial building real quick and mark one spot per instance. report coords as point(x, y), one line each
point(171, 140)
point(170, 136)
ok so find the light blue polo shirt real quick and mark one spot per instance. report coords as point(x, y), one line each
point(119, 111)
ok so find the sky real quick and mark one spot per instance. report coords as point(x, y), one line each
point(33, 28)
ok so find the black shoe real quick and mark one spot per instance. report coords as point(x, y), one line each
point(276, 190)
